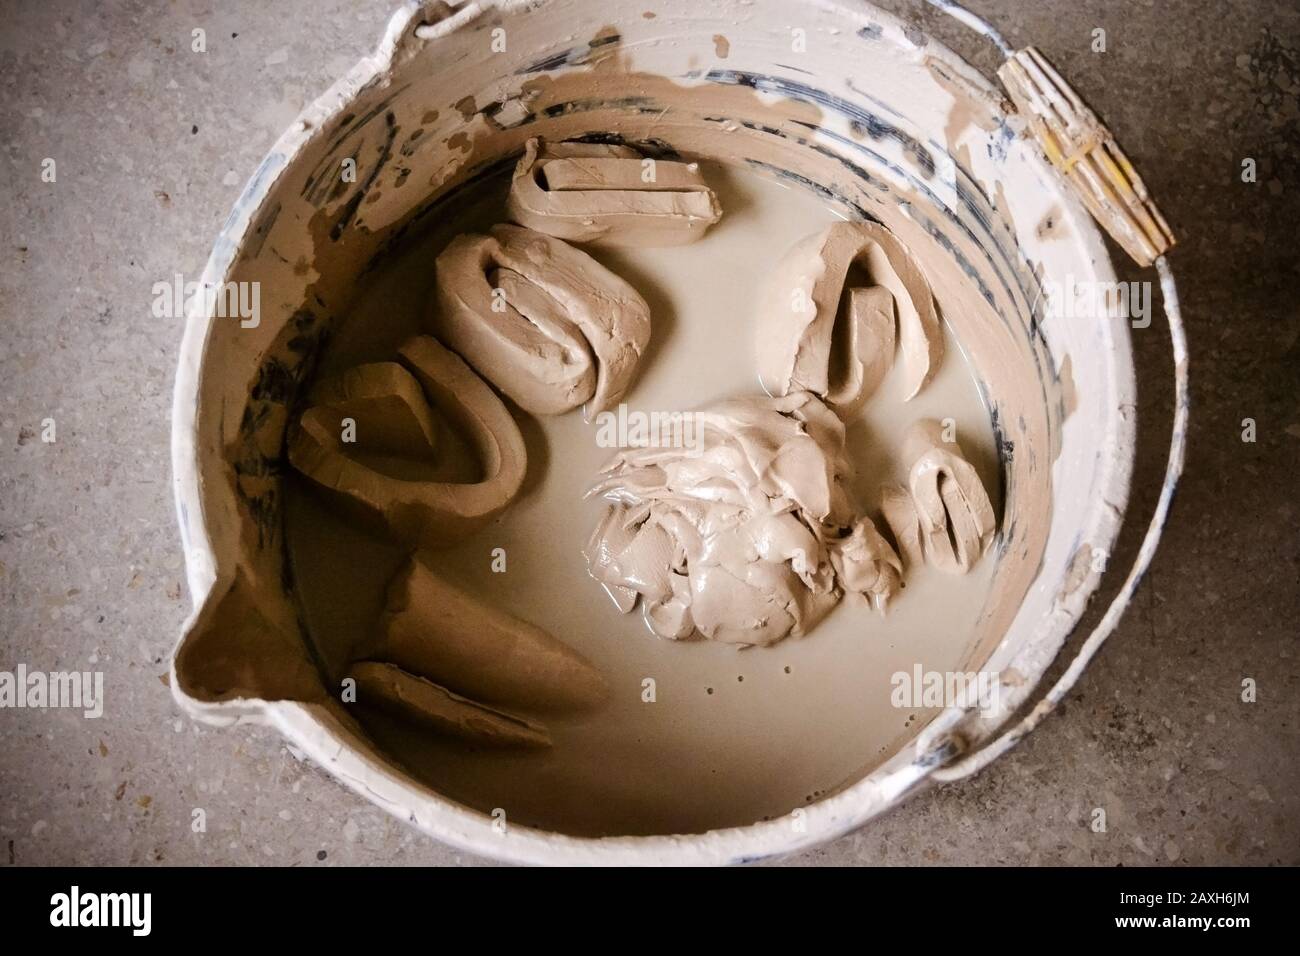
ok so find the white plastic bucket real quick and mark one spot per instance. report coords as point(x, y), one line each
point(841, 97)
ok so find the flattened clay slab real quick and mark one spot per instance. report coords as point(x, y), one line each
point(955, 515)
point(586, 192)
point(387, 399)
point(435, 629)
point(900, 514)
point(868, 356)
point(799, 318)
point(541, 320)
point(430, 514)
point(391, 689)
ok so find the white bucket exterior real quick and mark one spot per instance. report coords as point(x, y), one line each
point(871, 113)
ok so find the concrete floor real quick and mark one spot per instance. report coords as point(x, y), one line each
point(153, 143)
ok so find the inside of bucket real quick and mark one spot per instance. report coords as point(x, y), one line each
point(853, 133)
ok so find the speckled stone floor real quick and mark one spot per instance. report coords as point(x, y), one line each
point(153, 143)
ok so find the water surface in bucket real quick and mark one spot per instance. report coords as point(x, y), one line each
point(732, 736)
